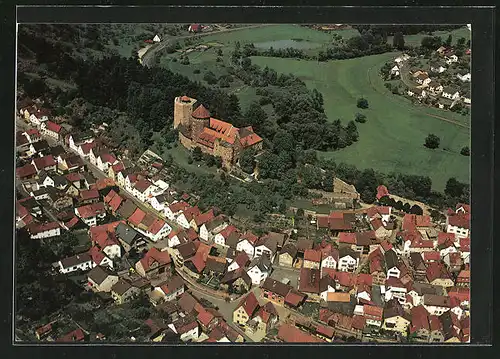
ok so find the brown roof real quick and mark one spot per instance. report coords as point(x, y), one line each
point(289, 248)
point(309, 280)
point(291, 334)
point(274, 286)
point(201, 112)
point(312, 255)
point(303, 244)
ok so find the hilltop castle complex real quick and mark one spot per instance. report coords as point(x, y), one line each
point(212, 136)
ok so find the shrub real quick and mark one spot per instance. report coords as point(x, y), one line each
point(465, 151)
point(432, 141)
point(362, 102)
point(359, 117)
point(196, 71)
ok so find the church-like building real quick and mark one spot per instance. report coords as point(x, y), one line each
point(218, 138)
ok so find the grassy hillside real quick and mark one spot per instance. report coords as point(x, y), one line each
point(392, 138)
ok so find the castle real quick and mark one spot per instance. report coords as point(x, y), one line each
point(215, 137)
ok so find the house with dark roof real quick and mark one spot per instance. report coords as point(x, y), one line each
point(395, 319)
point(171, 288)
point(287, 255)
point(236, 281)
point(215, 266)
point(309, 282)
point(259, 269)
point(245, 309)
point(122, 291)
point(348, 260)
point(210, 229)
point(275, 291)
point(100, 279)
point(128, 237)
point(81, 261)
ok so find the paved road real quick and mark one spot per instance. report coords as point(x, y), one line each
point(148, 57)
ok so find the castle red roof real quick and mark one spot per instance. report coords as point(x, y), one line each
point(185, 99)
point(201, 112)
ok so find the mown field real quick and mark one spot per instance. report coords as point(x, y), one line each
point(392, 138)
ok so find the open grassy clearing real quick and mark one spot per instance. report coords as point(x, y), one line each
point(392, 138)
point(414, 40)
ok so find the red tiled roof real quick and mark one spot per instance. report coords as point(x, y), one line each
point(412, 221)
point(419, 318)
point(333, 223)
point(382, 210)
point(445, 237)
point(291, 334)
point(375, 266)
point(201, 113)
point(312, 255)
point(204, 218)
point(431, 256)
point(86, 147)
point(118, 167)
point(191, 212)
point(325, 331)
point(154, 255)
point(249, 304)
point(51, 126)
point(111, 194)
point(89, 194)
point(74, 177)
point(178, 206)
point(33, 132)
point(75, 336)
point(382, 191)
point(142, 185)
point(40, 228)
point(72, 222)
point(465, 244)
point(460, 220)
point(349, 238)
point(358, 322)
point(97, 255)
point(44, 162)
point(156, 226)
point(205, 317)
point(436, 270)
point(226, 232)
point(199, 261)
point(44, 329)
point(373, 312)
point(376, 223)
point(115, 202)
point(26, 171)
point(104, 183)
point(242, 259)
point(309, 280)
point(185, 98)
point(463, 294)
point(250, 237)
point(91, 210)
point(294, 298)
point(363, 278)
point(435, 323)
point(137, 217)
point(107, 158)
point(386, 245)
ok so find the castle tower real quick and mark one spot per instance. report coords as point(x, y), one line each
point(183, 107)
point(200, 118)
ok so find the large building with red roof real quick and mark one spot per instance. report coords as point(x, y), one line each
point(218, 138)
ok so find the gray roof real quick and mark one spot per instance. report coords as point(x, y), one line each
point(263, 263)
point(89, 178)
point(126, 233)
point(57, 150)
point(215, 266)
point(216, 222)
point(289, 248)
point(425, 288)
point(233, 239)
point(391, 259)
point(98, 274)
point(40, 145)
point(232, 276)
point(75, 260)
point(164, 198)
point(346, 251)
point(276, 287)
point(127, 208)
point(450, 90)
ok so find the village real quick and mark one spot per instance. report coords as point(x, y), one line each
point(442, 82)
point(378, 274)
